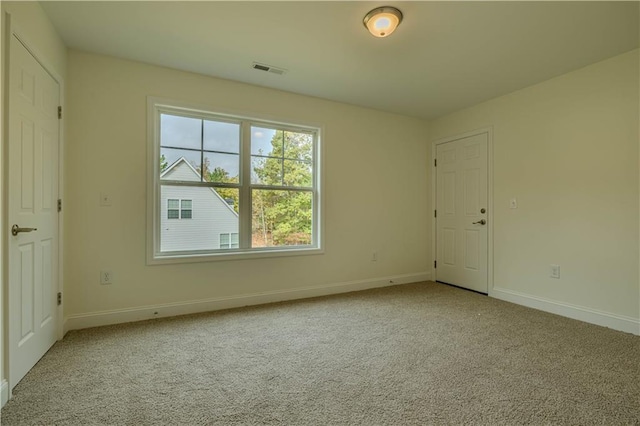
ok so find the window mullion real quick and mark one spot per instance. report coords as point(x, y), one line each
point(282, 159)
point(316, 194)
point(245, 186)
point(202, 171)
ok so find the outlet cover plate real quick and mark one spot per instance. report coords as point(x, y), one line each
point(105, 199)
point(106, 277)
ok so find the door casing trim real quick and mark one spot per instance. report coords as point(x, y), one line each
point(434, 144)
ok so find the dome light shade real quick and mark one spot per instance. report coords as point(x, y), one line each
point(382, 21)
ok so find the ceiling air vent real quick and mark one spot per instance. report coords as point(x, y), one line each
point(268, 68)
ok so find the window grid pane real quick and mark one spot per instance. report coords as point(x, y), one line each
point(281, 218)
point(279, 157)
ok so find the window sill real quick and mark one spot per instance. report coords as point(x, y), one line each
point(165, 259)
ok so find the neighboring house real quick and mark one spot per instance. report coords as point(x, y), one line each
point(194, 218)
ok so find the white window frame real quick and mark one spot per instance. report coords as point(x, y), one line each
point(156, 106)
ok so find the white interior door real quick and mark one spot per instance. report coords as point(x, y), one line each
point(461, 212)
point(32, 203)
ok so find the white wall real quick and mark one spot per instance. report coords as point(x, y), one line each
point(567, 149)
point(4, 394)
point(36, 29)
point(375, 191)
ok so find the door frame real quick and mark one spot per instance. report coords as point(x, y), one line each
point(434, 144)
point(11, 29)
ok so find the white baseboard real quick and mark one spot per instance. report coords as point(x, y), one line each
point(4, 393)
point(581, 313)
point(96, 319)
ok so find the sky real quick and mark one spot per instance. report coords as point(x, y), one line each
point(185, 132)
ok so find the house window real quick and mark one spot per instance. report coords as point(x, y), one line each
point(185, 209)
point(256, 184)
point(179, 209)
point(229, 241)
point(173, 209)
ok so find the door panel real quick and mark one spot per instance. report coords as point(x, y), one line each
point(472, 249)
point(32, 193)
point(47, 290)
point(449, 187)
point(471, 192)
point(449, 246)
point(461, 194)
point(26, 290)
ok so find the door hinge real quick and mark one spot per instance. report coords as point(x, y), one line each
point(59, 298)
point(435, 264)
point(435, 213)
point(59, 113)
point(435, 162)
point(59, 204)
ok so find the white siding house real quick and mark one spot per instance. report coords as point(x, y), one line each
point(194, 218)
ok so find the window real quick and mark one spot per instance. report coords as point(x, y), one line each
point(173, 209)
point(185, 209)
point(229, 241)
point(256, 184)
point(179, 209)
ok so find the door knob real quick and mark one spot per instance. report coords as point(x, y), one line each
point(15, 230)
point(480, 222)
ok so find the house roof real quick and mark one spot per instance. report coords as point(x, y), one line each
point(175, 165)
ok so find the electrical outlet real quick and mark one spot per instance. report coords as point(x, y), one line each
point(105, 199)
point(513, 203)
point(106, 277)
point(555, 271)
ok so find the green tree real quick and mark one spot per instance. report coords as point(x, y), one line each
point(282, 217)
point(218, 174)
point(163, 163)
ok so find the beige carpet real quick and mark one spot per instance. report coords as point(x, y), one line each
point(415, 354)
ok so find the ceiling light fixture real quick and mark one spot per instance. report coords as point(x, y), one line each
point(382, 21)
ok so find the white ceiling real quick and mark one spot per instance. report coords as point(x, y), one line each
point(444, 56)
